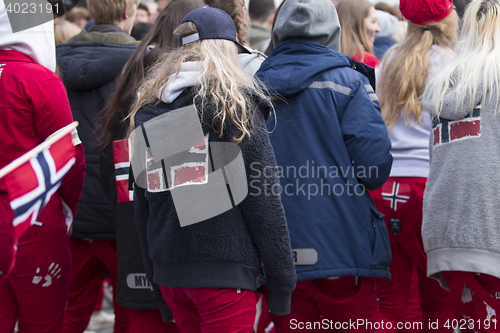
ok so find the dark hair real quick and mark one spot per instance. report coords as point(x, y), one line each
point(140, 30)
point(161, 35)
point(259, 10)
point(233, 9)
point(143, 7)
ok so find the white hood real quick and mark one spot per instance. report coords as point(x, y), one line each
point(189, 76)
point(37, 43)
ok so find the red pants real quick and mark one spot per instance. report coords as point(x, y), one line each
point(90, 260)
point(471, 300)
point(400, 200)
point(414, 309)
point(334, 302)
point(211, 310)
point(150, 321)
point(37, 290)
point(265, 317)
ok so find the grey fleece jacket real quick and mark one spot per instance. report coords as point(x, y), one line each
point(461, 213)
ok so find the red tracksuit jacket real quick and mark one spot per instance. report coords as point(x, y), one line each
point(33, 105)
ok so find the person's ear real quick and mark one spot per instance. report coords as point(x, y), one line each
point(270, 20)
point(125, 14)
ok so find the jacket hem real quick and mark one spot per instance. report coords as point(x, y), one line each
point(323, 274)
point(208, 275)
point(461, 259)
point(137, 305)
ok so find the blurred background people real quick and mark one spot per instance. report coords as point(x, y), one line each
point(358, 20)
point(140, 30)
point(384, 39)
point(262, 17)
point(79, 16)
point(142, 15)
point(64, 30)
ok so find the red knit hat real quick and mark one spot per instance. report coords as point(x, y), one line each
point(423, 12)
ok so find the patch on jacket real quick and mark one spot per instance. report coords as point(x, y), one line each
point(121, 157)
point(138, 281)
point(445, 131)
point(191, 169)
point(395, 226)
point(171, 152)
point(305, 257)
point(396, 193)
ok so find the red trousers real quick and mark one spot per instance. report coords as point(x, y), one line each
point(475, 295)
point(401, 200)
point(333, 304)
point(264, 321)
point(211, 310)
point(37, 290)
point(90, 260)
point(150, 321)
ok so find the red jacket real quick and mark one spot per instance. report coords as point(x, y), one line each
point(367, 59)
point(33, 105)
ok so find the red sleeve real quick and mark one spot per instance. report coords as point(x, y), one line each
point(371, 60)
point(368, 59)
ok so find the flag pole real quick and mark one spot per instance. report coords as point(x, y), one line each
point(35, 151)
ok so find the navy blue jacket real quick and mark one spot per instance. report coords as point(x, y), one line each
point(90, 64)
point(331, 145)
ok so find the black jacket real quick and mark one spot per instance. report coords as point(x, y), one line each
point(89, 64)
point(132, 289)
point(228, 250)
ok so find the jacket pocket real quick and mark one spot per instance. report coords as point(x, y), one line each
point(381, 246)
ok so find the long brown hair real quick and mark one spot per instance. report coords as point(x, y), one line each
point(161, 35)
point(352, 14)
point(405, 73)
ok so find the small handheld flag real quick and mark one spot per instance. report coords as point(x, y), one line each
point(33, 178)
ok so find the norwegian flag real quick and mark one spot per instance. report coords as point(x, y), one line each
point(396, 193)
point(191, 169)
point(121, 156)
point(445, 131)
point(31, 185)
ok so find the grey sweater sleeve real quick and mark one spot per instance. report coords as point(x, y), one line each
point(263, 212)
point(141, 218)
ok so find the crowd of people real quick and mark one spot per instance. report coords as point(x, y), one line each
point(320, 166)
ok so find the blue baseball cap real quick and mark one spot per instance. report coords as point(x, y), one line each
point(212, 23)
